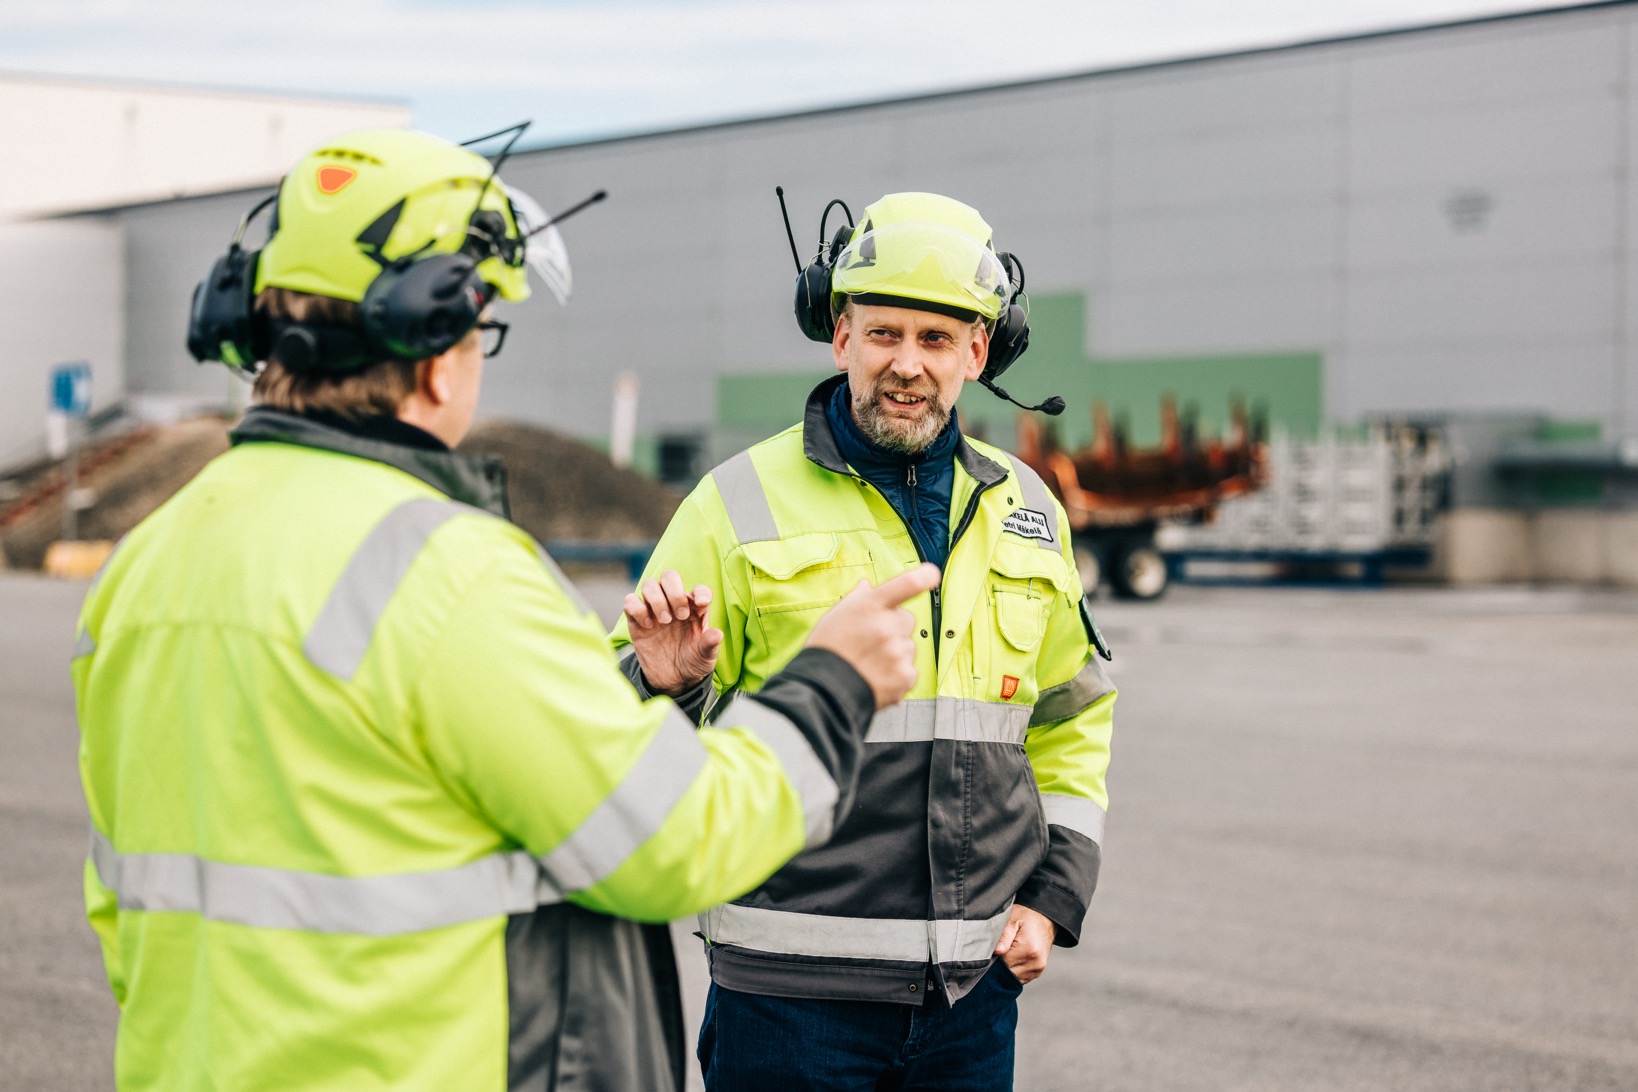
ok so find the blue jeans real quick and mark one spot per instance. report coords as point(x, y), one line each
point(752, 1043)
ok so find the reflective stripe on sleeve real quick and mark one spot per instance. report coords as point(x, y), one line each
point(744, 500)
point(1075, 813)
point(1060, 702)
point(1039, 498)
point(83, 645)
point(813, 784)
point(634, 811)
point(273, 898)
point(909, 940)
point(341, 634)
point(924, 719)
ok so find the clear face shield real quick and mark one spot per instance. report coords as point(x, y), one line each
point(543, 247)
point(929, 262)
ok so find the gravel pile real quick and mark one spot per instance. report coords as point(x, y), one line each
point(560, 489)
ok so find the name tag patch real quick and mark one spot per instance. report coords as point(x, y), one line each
point(1029, 523)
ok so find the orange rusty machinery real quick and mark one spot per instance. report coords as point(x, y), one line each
point(1117, 495)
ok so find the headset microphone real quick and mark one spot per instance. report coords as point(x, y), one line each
point(1052, 407)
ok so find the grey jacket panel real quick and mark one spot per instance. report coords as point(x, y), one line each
point(594, 1003)
point(1063, 884)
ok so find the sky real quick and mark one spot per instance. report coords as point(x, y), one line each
point(582, 68)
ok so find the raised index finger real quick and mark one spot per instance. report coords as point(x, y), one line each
point(906, 586)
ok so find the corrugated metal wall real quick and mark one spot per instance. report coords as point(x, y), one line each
point(62, 299)
point(1444, 217)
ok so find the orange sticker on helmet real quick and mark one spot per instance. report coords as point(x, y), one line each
point(335, 179)
point(1009, 687)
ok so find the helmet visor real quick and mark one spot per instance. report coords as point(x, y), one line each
point(930, 263)
point(543, 247)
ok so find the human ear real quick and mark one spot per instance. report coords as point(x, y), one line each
point(980, 353)
point(436, 380)
point(839, 340)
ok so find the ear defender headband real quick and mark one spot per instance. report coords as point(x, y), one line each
point(1009, 333)
point(416, 308)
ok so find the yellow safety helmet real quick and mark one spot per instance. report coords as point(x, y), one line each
point(924, 251)
point(366, 199)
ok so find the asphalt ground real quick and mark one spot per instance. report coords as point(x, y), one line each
point(1358, 840)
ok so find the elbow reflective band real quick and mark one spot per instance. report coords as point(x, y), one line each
point(744, 500)
point(83, 644)
point(924, 719)
point(1037, 497)
point(1075, 813)
point(341, 634)
point(407, 902)
point(1089, 686)
point(813, 784)
point(636, 808)
point(909, 940)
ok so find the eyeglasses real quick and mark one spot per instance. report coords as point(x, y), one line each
point(494, 336)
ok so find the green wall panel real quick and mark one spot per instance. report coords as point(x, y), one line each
point(1289, 384)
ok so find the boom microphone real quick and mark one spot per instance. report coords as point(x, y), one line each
point(1052, 407)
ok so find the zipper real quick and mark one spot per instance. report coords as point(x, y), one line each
point(938, 602)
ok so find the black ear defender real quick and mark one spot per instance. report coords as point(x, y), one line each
point(222, 323)
point(813, 314)
point(418, 308)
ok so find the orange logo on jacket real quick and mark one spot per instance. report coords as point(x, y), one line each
point(1009, 687)
point(335, 179)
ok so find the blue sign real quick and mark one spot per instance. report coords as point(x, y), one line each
point(71, 389)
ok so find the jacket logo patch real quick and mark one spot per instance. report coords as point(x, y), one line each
point(1028, 523)
point(1009, 687)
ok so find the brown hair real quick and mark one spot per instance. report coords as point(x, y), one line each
point(379, 389)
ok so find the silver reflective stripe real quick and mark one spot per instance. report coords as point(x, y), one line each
point(83, 644)
point(634, 811)
point(808, 776)
point(341, 634)
point(1066, 699)
point(272, 898)
point(924, 719)
point(1039, 498)
point(910, 940)
point(744, 499)
point(1076, 813)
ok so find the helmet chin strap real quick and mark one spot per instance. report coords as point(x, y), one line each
point(1052, 407)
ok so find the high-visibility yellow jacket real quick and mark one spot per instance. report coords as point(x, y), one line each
point(370, 798)
point(987, 783)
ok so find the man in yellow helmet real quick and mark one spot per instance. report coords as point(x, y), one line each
point(372, 805)
point(892, 956)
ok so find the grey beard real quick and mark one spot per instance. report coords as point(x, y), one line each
point(896, 434)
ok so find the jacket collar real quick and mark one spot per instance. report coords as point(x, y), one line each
point(476, 480)
point(820, 446)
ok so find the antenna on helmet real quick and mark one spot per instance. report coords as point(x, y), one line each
point(505, 153)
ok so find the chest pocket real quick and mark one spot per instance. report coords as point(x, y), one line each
point(803, 573)
point(1024, 583)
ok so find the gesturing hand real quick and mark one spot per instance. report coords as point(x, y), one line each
point(872, 631)
point(668, 633)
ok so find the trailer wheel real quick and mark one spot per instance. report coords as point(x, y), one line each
point(1090, 567)
point(1139, 572)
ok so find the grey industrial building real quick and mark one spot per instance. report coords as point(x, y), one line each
point(1440, 222)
